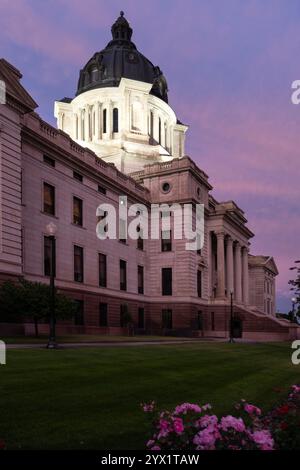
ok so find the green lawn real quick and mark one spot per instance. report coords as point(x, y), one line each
point(89, 398)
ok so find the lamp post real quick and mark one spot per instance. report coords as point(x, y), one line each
point(294, 301)
point(51, 231)
point(231, 340)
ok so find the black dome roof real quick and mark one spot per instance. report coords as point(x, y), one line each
point(120, 59)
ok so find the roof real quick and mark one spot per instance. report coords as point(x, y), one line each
point(263, 261)
point(14, 89)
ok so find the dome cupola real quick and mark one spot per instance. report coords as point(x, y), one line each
point(121, 59)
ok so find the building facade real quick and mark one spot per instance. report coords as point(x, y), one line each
point(120, 137)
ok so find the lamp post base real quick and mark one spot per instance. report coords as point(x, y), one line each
point(52, 345)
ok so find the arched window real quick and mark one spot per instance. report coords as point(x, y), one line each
point(76, 126)
point(166, 135)
point(93, 74)
point(159, 130)
point(115, 120)
point(82, 125)
point(104, 121)
point(151, 123)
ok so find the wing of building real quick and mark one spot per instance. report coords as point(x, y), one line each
point(118, 136)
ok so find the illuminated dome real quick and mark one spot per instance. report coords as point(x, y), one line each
point(121, 59)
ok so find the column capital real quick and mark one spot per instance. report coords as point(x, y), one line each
point(220, 234)
point(229, 239)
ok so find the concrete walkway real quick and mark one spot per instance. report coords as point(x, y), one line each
point(111, 343)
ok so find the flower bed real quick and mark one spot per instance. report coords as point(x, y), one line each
point(193, 427)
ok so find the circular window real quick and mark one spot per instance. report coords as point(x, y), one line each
point(166, 187)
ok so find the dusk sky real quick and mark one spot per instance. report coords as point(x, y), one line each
point(229, 66)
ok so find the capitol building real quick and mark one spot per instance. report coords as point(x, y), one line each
point(118, 135)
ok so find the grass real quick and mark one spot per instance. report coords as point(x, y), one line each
point(89, 339)
point(89, 398)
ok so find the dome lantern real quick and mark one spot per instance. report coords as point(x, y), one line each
point(121, 30)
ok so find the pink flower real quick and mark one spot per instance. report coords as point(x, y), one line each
point(206, 439)
point(229, 421)
point(163, 428)
point(150, 443)
point(178, 425)
point(252, 410)
point(206, 407)
point(296, 388)
point(148, 407)
point(208, 420)
point(185, 407)
point(155, 448)
point(263, 439)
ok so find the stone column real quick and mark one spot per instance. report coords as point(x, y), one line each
point(237, 273)
point(229, 266)
point(109, 120)
point(80, 124)
point(245, 275)
point(220, 265)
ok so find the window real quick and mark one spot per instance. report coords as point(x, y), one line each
point(141, 318)
point(167, 319)
point(49, 199)
point(79, 315)
point(102, 270)
point(115, 120)
point(212, 320)
point(122, 231)
point(103, 321)
point(151, 124)
point(123, 275)
point(200, 320)
point(166, 280)
point(159, 130)
point(104, 121)
point(123, 315)
point(166, 240)
point(77, 211)
point(199, 283)
point(140, 279)
point(140, 240)
point(77, 176)
point(78, 263)
point(101, 217)
point(48, 256)
point(101, 189)
point(49, 161)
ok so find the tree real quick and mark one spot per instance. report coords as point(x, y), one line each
point(295, 283)
point(127, 320)
point(31, 301)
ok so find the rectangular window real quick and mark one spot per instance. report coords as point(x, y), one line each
point(166, 280)
point(141, 318)
point(101, 189)
point(123, 275)
point(123, 315)
point(102, 270)
point(167, 321)
point(199, 283)
point(78, 263)
point(48, 256)
point(49, 161)
point(77, 211)
point(77, 176)
point(140, 279)
point(122, 231)
point(103, 320)
point(212, 318)
point(79, 315)
point(101, 217)
point(166, 240)
point(49, 199)
point(104, 121)
point(200, 320)
point(140, 240)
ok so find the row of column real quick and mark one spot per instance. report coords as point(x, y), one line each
point(232, 271)
point(89, 122)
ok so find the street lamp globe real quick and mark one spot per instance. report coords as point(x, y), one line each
point(51, 229)
point(294, 300)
